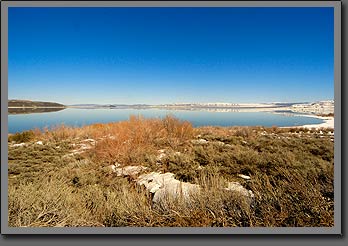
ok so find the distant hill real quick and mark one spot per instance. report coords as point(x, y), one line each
point(33, 104)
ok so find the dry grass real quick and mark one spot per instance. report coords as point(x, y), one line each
point(291, 172)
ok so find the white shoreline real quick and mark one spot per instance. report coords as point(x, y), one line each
point(329, 122)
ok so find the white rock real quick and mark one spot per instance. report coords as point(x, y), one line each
point(237, 187)
point(199, 141)
point(39, 142)
point(111, 169)
point(175, 189)
point(160, 156)
point(243, 176)
point(117, 164)
point(153, 187)
point(219, 143)
point(19, 145)
point(165, 186)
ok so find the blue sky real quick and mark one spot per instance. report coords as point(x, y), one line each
point(167, 55)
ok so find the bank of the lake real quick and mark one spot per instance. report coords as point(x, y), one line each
point(80, 117)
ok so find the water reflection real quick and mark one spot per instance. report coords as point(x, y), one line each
point(32, 110)
point(18, 122)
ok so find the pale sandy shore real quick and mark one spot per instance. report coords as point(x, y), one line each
point(329, 122)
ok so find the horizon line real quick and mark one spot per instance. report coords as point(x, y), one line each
point(169, 103)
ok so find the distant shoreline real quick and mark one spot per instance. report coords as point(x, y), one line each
point(42, 107)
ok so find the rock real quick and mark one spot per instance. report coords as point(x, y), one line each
point(117, 164)
point(243, 176)
point(39, 142)
point(19, 145)
point(237, 187)
point(219, 143)
point(175, 189)
point(160, 156)
point(199, 141)
point(165, 186)
point(111, 168)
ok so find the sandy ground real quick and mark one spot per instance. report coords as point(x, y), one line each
point(328, 122)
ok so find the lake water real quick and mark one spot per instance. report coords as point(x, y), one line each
point(80, 117)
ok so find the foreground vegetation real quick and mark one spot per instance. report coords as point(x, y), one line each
point(65, 179)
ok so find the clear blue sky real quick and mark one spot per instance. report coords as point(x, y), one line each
point(166, 55)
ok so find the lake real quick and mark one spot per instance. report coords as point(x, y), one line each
point(80, 117)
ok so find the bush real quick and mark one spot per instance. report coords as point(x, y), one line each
point(22, 137)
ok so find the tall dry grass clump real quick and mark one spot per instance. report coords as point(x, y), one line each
point(132, 141)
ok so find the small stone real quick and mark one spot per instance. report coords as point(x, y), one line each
point(237, 187)
point(244, 176)
point(199, 141)
point(19, 145)
point(161, 156)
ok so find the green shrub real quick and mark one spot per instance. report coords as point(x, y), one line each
point(22, 137)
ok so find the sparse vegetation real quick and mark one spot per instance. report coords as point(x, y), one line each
point(291, 172)
point(22, 137)
point(327, 115)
